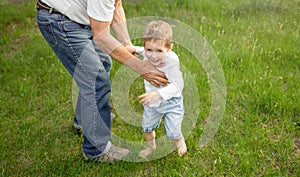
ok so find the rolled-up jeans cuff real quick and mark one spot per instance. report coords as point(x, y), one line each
point(108, 145)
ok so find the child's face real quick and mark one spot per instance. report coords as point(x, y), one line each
point(155, 51)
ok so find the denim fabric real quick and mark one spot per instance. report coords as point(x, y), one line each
point(89, 66)
point(173, 112)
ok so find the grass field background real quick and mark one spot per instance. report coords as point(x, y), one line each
point(257, 44)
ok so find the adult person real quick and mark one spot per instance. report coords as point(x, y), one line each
point(79, 34)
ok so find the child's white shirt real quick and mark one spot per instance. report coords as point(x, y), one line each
point(172, 71)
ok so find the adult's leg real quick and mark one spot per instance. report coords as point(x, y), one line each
point(73, 45)
point(106, 61)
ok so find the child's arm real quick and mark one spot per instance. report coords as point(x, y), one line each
point(173, 89)
point(135, 49)
point(173, 73)
point(175, 86)
point(139, 49)
point(149, 98)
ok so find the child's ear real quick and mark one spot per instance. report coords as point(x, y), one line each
point(170, 48)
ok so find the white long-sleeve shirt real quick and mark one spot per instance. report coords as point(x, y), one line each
point(172, 70)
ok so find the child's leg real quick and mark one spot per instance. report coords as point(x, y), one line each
point(181, 146)
point(150, 142)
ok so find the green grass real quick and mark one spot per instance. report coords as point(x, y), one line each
point(257, 44)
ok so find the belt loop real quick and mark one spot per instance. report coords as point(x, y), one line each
point(51, 10)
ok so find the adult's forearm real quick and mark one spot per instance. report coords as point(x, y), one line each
point(105, 41)
point(116, 50)
point(119, 25)
point(121, 33)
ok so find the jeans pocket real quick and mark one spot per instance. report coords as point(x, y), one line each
point(46, 29)
point(69, 26)
point(75, 29)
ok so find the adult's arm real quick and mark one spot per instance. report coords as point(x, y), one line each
point(119, 25)
point(116, 50)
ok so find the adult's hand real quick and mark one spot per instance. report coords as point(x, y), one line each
point(130, 48)
point(152, 75)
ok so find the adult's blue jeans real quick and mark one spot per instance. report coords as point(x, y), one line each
point(89, 66)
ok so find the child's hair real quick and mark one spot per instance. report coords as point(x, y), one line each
point(158, 30)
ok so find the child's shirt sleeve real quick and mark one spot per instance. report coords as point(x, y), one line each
point(139, 50)
point(174, 75)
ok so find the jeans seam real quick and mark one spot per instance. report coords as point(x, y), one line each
point(79, 63)
point(94, 92)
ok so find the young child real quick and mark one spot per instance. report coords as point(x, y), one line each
point(165, 101)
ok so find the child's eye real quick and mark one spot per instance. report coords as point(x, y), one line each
point(149, 50)
point(160, 51)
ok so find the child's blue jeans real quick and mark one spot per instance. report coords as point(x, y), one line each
point(173, 112)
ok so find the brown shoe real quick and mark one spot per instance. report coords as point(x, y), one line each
point(114, 154)
point(297, 143)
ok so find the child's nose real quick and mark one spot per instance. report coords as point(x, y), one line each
point(154, 55)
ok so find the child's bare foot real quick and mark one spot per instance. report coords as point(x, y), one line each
point(146, 152)
point(151, 145)
point(181, 146)
point(182, 151)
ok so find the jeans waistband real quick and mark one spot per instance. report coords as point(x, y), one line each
point(41, 5)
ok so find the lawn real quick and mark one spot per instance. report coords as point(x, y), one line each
point(254, 44)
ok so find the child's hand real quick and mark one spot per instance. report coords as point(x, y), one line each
point(149, 98)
